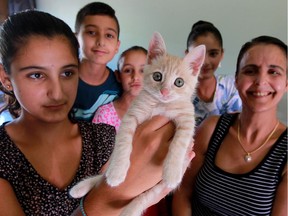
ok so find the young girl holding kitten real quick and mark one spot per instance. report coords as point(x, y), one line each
point(44, 151)
point(129, 72)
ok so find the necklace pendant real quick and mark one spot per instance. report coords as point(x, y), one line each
point(247, 158)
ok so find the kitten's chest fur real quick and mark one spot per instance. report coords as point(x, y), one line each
point(153, 106)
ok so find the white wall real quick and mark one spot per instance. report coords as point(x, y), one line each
point(238, 21)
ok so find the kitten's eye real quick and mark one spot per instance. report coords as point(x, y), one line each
point(179, 82)
point(157, 76)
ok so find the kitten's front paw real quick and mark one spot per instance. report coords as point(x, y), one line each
point(84, 186)
point(79, 190)
point(134, 208)
point(114, 177)
point(172, 180)
point(131, 212)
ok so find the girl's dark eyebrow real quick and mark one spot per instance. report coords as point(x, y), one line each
point(214, 50)
point(250, 65)
point(34, 67)
point(93, 26)
point(112, 29)
point(71, 66)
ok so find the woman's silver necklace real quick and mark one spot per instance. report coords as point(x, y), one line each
point(248, 156)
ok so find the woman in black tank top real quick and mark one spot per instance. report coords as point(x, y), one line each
point(240, 166)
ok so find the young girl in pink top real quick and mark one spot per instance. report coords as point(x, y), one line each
point(130, 74)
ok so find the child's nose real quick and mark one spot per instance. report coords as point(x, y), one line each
point(100, 41)
point(206, 60)
point(55, 90)
point(137, 75)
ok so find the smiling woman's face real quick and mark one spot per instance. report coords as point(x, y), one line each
point(262, 77)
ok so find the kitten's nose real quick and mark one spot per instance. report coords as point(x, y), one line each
point(164, 91)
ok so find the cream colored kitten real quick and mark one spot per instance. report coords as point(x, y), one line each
point(169, 83)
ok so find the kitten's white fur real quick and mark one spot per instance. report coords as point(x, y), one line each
point(156, 98)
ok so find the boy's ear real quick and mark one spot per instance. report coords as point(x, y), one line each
point(118, 46)
point(4, 79)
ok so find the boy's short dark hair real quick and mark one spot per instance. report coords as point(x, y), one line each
point(95, 8)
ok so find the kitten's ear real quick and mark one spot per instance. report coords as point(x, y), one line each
point(156, 47)
point(195, 59)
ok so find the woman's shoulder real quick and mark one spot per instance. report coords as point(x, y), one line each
point(205, 130)
point(209, 125)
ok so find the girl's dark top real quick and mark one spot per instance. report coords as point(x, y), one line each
point(35, 194)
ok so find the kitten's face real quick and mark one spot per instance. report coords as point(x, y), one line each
point(167, 79)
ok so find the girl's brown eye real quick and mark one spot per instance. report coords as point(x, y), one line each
point(68, 73)
point(36, 75)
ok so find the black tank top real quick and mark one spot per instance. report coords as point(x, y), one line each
point(220, 193)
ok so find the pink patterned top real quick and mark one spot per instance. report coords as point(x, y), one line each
point(108, 115)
